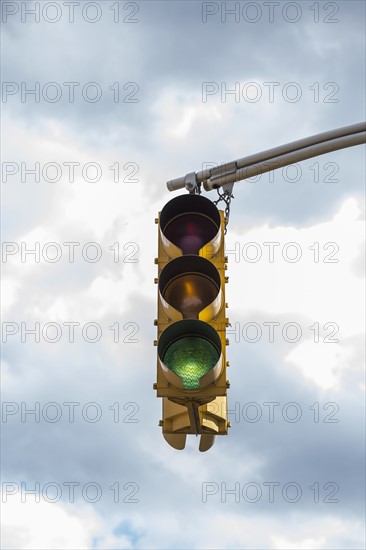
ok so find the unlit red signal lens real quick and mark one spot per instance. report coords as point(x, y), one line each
point(190, 232)
point(190, 222)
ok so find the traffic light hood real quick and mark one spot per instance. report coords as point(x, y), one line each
point(187, 224)
point(189, 352)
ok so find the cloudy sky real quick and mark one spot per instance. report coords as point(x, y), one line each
point(102, 103)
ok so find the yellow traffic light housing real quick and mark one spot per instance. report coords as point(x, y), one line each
point(191, 344)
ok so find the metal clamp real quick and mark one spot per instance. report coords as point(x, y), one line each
point(191, 184)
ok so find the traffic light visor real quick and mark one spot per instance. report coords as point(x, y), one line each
point(191, 284)
point(190, 222)
point(190, 354)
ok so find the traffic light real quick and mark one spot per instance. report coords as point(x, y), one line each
point(191, 343)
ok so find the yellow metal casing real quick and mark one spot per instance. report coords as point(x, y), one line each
point(202, 410)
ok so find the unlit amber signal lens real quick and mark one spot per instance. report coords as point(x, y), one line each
point(190, 293)
point(190, 284)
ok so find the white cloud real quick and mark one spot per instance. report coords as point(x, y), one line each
point(320, 285)
point(320, 362)
point(44, 525)
point(169, 132)
point(9, 291)
point(306, 544)
point(183, 114)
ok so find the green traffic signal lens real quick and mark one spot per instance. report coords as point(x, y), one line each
point(190, 358)
point(190, 354)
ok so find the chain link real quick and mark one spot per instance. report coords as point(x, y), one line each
point(226, 196)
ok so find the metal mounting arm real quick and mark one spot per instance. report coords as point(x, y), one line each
point(272, 159)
